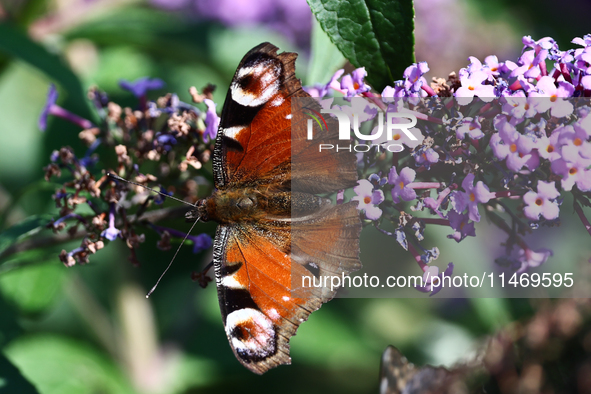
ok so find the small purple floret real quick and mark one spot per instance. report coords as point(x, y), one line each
point(141, 86)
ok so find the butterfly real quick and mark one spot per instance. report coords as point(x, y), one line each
point(398, 376)
point(270, 235)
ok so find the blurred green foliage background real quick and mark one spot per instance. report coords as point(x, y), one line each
point(89, 329)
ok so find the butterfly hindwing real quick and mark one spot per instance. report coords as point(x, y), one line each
point(263, 248)
point(260, 270)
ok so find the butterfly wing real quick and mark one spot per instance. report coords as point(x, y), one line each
point(395, 371)
point(398, 376)
point(260, 264)
point(254, 143)
point(261, 287)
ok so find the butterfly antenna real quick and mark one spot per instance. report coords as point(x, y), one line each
point(173, 257)
point(111, 175)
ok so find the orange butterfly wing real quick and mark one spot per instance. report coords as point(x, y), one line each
point(264, 246)
point(256, 138)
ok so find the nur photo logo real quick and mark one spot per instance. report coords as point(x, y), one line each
point(384, 135)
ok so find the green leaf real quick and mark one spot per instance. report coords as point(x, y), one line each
point(28, 227)
point(325, 59)
point(141, 27)
point(9, 328)
point(494, 312)
point(57, 365)
point(33, 288)
point(33, 188)
point(16, 43)
point(11, 379)
point(375, 34)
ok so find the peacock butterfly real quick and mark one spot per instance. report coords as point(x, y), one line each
point(398, 376)
point(270, 235)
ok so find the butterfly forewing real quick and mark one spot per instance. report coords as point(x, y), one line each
point(254, 142)
point(261, 249)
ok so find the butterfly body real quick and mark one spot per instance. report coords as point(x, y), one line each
point(273, 229)
point(244, 206)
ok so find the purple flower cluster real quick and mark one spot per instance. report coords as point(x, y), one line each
point(506, 136)
point(570, 76)
point(351, 85)
point(130, 134)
